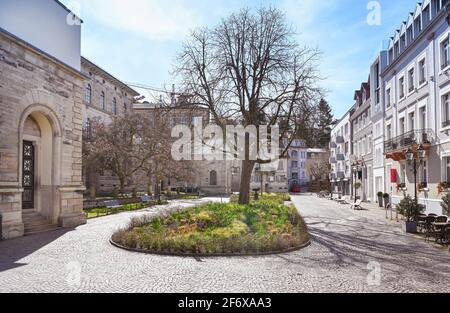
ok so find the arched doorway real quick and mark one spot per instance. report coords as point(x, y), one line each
point(39, 171)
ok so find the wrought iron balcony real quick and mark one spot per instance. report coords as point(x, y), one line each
point(408, 140)
point(340, 175)
point(333, 160)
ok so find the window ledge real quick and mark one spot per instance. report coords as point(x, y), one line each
point(445, 69)
point(425, 83)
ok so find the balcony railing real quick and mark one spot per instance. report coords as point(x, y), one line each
point(333, 160)
point(414, 137)
point(333, 145)
point(340, 175)
point(340, 157)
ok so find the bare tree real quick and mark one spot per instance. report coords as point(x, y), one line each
point(319, 170)
point(124, 146)
point(251, 71)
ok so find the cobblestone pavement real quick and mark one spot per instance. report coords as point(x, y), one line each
point(351, 251)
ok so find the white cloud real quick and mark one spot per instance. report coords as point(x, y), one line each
point(154, 19)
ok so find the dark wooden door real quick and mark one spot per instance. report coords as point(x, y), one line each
point(28, 176)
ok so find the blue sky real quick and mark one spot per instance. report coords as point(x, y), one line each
point(137, 40)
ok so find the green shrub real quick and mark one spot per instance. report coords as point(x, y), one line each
point(262, 226)
point(410, 209)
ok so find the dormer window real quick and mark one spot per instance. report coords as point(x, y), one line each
point(396, 49)
point(403, 42)
point(426, 16)
point(417, 26)
point(391, 55)
point(410, 34)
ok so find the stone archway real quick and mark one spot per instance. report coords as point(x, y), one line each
point(40, 128)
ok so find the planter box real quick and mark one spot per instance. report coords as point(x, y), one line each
point(411, 227)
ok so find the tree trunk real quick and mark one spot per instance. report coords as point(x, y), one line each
point(246, 175)
point(122, 185)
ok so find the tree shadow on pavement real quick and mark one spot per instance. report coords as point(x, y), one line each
point(14, 250)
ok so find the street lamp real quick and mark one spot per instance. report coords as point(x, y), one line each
point(356, 169)
point(415, 160)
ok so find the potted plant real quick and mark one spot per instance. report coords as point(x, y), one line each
point(401, 186)
point(446, 204)
point(386, 200)
point(411, 210)
point(422, 187)
point(380, 199)
point(442, 186)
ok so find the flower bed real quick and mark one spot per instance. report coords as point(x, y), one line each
point(218, 229)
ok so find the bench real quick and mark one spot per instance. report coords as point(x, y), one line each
point(356, 205)
point(112, 205)
point(146, 199)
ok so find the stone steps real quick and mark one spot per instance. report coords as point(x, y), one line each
point(35, 223)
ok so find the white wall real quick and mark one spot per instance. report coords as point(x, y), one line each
point(43, 24)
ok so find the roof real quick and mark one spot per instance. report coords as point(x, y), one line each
point(67, 9)
point(39, 51)
point(92, 64)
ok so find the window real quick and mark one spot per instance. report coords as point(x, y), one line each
point(411, 80)
point(412, 121)
point(114, 106)
point(401, 86)
point(213, 178)
point(423, 173)
point(388, 132)
point(294, 164)
point(410, 34)
point(401, 126)
point(294, 154)
point(426, 16)
point(396, 50)
point(423, 118)
point(445, 111)
point(294, 175)
point(388, 98)
point(369, 144)
point(422, 71)
point(417, 26)
point(391, 55)
point(125, 107)
point(445, 53)
point(88, 94)
point(447, 169)
point(403, 173)
point(102, 100)
point(403, 42)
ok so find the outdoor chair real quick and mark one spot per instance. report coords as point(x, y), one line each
point(421, 223)
point(442, 235)
point(430, 230)
point(441, 219)
point(356, 205)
